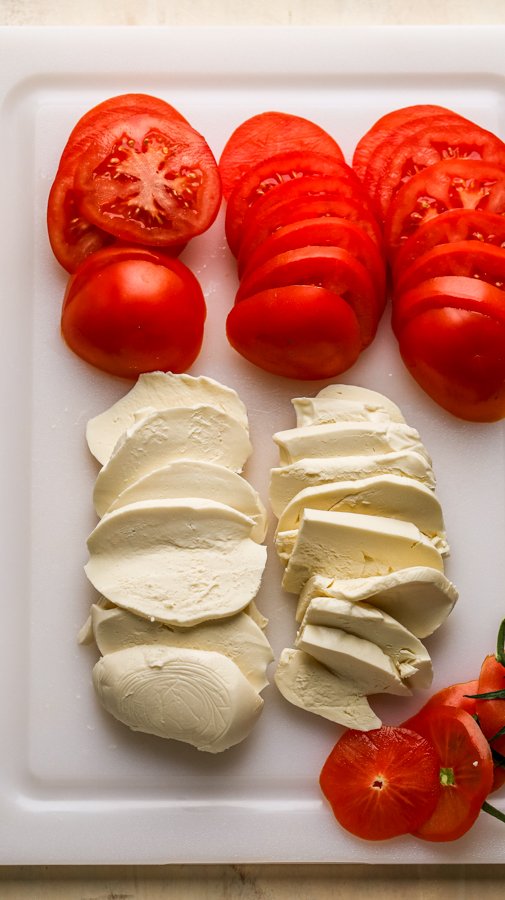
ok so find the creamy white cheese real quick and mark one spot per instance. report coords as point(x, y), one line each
point(159, 390)
point(345, 403)
point(347, 439)
point(199, 697)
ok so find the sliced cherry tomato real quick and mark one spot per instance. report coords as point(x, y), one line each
point(381, 783)
point(266, 135)
point(130, 310)
point(474, 260)
point(458, 695)
point(328, 267)
point(149, 179)
point(298, 331)
point(451, 227)
point(449, 184)
point(466, 771)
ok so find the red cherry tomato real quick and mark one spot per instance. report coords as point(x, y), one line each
point(381, 783)
point(471, 259)
point(268, 134)
point(130, 310)
point(466, 771)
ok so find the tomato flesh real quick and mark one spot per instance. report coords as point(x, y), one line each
point(482, 262)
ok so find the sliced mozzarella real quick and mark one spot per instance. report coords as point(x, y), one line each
point(190, 433)
point(347, 439)
point(419, 597)
point(238, 637)
point(345, 403)
point(179, 562)
point(159, 390)
point(305, 683)
point(287, 481)
point(382, 495)
point(199, 697)
point(353, 658)
point(349, 545)
point(195, 478)
point(408, 654)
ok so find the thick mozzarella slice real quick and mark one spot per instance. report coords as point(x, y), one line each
point(382, 495)
point(164, 436)
point(160, 390)
point(347, 439)
point(193, 478)
point(305, 683)
point(345, 403)
point(238, 637)
point(349, 545)
point(408, 654)
point(178, 562)
point(287, 481)
point(420, 597)
point(353, 658)
point(196, 696)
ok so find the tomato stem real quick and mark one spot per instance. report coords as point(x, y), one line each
point(490, 695)
point(500, 644)
point(486, 807)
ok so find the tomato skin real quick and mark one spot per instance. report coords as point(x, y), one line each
point(381, 783)
point(129, 310)
point(470, 259)
point(465, 760)
point(266, 135)
point(454, 695)
point(298, 331)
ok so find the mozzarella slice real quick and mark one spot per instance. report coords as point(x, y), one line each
point(419, 597)
point(178, 562)
point(160, 390)
point(352, 658)
point(349, 545)
point(238, 637)
point(196, 433)
point(347, 439)
point(199, 697)
point(287, 481)
point(192, 478)
point(305, 683)
point(409, 656)
point(382, 495)
point(345, 403)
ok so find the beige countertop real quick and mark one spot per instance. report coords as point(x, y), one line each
point(245, 882)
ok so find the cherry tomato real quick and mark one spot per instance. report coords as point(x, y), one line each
point(471, 259)
point(466, 771)
point(458, 695)
point(299, 331)
point(268, 134)
point(130, 310)
point(381, 783)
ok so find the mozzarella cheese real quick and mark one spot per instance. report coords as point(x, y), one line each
point(199, 697)
point(345, 403)
point(159, 390)
point(347, 439)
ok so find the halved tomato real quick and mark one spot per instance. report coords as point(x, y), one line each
point(267, 134)
point(471, 259)
point(298, 331)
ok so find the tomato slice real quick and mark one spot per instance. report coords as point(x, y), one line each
point(298, 331)
point(448, 292)
point(449, 184)
point(381, 783)
point(466, 771)
point(474, 260)
point(268, 134)
point(458, 695)
point(149, 179)
point(329, 267)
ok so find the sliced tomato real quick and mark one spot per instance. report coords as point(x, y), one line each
point(451, 227)
point(478, 261)
point(130, 310)
point(466, 771)
point(298, 331)
point(268, 134)
point(448, 292)
point(458, 695)
point(329, 267)
point(381, 783)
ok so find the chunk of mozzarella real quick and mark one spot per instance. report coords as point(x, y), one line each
point(345, 403)
point(175, 561)
point(347, 439)
point(199, 697)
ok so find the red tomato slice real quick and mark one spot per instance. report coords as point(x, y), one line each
point(458, 695)
point(298, 331)
point(431, 145)
point(328, 267)
point(474, 260)
point(149, 179)
point(466, 771)
point(451, 227)
point(130, 310)
point(266, 135)
point(448, 292)
point(449, 184)
point(381, 783)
